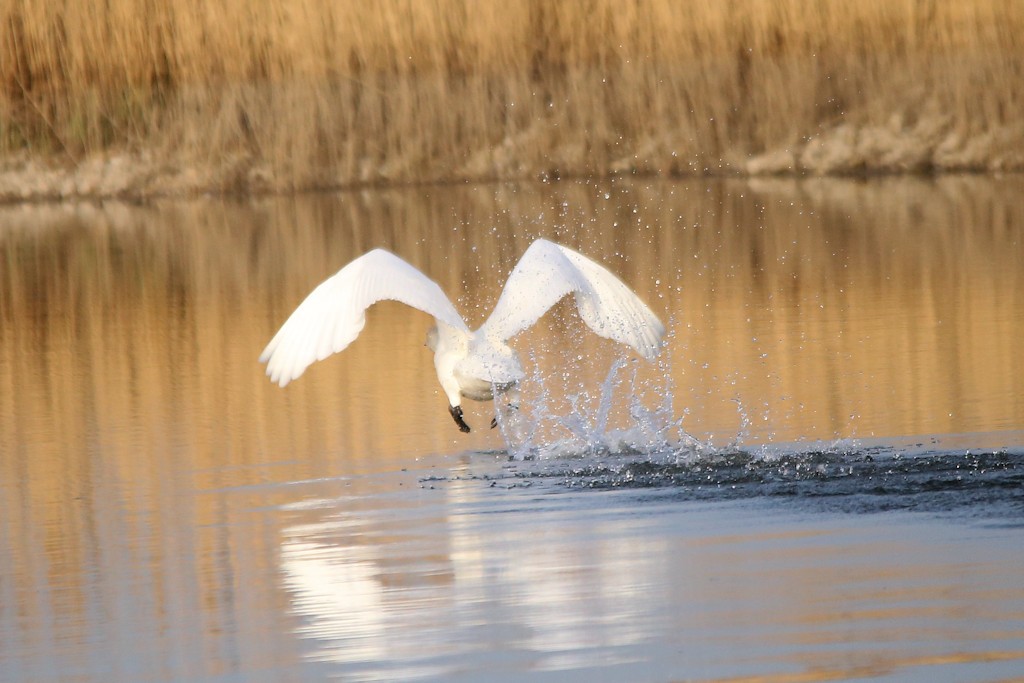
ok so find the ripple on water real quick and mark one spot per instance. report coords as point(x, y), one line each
point(987, 483)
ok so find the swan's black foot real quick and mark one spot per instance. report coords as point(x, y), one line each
point(456, 412)
point(509, 407)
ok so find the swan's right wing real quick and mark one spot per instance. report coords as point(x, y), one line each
point(547, 272)
point(334, 313)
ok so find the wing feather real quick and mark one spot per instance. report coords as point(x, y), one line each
point(334, 313)
point(547, 272)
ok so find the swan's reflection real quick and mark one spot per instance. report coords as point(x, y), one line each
point(342, 596)
point(443, 580)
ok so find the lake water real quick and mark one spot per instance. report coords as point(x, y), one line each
point(821, 478)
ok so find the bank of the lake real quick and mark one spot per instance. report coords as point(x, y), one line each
point(143, 101)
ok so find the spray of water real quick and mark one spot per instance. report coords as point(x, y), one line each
point(628, 413)
point(625, 433)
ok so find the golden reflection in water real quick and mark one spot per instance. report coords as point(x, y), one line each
point(825, 308)
point(133, 414)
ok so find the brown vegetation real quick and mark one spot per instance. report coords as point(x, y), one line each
point(237, 94)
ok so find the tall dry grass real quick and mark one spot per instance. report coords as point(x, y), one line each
point(304, 93)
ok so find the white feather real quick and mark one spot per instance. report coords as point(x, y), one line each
point(334, 313)
point(469, 364)
point(546, 273)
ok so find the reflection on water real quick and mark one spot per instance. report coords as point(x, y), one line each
point(628, 587)
point(166, 513)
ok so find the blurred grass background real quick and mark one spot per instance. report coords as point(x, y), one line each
point(287, 94)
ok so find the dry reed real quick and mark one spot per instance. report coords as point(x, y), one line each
point(316, 93)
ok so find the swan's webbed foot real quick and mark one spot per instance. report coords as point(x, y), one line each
point(510, 407)
point(456, 412)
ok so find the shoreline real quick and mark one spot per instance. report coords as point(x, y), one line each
point(141, 101)
point(844, 151)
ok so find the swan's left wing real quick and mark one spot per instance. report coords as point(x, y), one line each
point(334, 313)
point(547, 272)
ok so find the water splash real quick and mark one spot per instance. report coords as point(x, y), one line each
point(626, 434)
point(844, 476)
point(629, 413)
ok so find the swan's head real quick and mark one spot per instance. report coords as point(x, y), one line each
point(432, 337)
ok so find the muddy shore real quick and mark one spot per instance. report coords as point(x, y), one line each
point(928, 146)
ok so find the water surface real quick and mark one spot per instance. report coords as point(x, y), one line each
point(821, 478)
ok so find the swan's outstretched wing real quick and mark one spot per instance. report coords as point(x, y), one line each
point(547, 272)
point(334, 313)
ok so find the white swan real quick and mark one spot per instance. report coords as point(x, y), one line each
point(469, 364)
